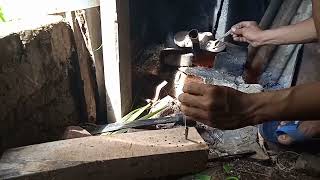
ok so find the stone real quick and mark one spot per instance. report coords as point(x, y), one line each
point(73, 132)
point(231, 61)
point(219, 78)
point(146, 154)
point(308, 163)
point(40, 89)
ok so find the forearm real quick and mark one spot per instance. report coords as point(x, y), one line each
point(302, 32)
point(316, 15)
point(297, 103)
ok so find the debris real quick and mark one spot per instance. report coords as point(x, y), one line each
point(134, 124)
point(286, 160)
point(308, 163)
point(72, 132)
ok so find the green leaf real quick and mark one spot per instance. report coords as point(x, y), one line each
point(126, 117)
point(136, 114)
point(227, 168)
point(232, 178)
point(2, 16)
point(202, 177)
point(151, 115)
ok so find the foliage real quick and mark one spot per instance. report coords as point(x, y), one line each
point(2, 19)
point(202, 177)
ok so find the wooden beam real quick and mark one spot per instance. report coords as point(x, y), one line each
point(33, 8)
point(117, 57)
point(93, 20)
point(146, 154)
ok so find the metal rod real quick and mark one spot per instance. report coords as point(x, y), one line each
point(194, 36)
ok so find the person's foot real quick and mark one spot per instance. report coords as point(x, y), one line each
point(310, 129)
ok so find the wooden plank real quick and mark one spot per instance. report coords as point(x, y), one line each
point(117, 57)
point(146, 154)
point(33, 8)
point(93, 20)
point(86, 69)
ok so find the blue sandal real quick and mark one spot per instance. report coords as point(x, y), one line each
point(270, 131)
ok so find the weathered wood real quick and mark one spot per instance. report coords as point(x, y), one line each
point(270, 13)
point(86, 68)
point(146, 154)
point(92, 17)
point(34, 8)
point(117, 57)
point(285, 14)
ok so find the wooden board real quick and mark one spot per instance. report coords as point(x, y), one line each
point(116, 57)
point(33, 8)
point(143, 154)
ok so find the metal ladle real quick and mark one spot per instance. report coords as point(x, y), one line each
point(222, 37)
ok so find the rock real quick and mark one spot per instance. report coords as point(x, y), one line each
point(40, 90)
point(219, 78)
point(73, 132)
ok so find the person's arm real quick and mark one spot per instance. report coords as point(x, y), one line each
point(226, 108)
point(316, 15)
point(302, 32)
point(296, 103)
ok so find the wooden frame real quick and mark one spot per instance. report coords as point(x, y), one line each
point(21, 8)
point(117, 57)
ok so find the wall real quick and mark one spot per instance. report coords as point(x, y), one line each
point(157, 21)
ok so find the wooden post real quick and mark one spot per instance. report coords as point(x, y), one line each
point(117, 57)
point(92, 17)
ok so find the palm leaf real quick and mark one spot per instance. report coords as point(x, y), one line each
point(137, 113)
point(2, 16)
point(152, 114)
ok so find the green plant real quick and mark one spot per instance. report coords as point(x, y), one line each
point(133, 115)
point(232, 178)
point(229, 170)
point(2, 19)
point(202, 177)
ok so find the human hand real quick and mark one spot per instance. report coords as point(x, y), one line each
point(247, 31)
point(215, 106)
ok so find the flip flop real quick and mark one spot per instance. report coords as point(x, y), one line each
point(270, 131)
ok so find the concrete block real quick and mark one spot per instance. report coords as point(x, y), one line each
point(146, 154)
